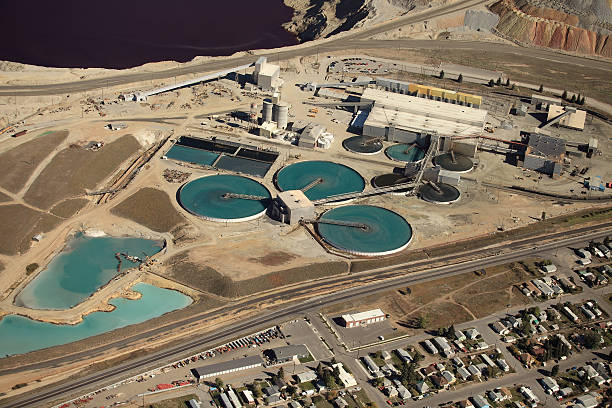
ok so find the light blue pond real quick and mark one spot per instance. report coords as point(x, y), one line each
point(85, 265)
point(191, 155)
point(19, 334)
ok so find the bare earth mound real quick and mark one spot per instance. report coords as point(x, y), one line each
point(206, 279)
point(84, 168)
point(19, 224)
point(150, 207)
point(69, 207)
point(18, 164)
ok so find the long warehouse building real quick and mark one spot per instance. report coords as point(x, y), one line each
point(403, 118)
point(226, 367)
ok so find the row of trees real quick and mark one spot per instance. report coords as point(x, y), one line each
point(573, 99)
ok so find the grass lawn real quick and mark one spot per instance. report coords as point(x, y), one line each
point(321, 402)
point(178, 402)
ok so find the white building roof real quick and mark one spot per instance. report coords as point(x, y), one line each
point(269, 69)
point(369, 314)
point(422, 114)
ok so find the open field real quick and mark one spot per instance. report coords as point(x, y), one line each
point(150, 207)
point(69, 207)
point(19, 224)
point(85, 169)
point(4, 198)
point(207, 279)
point(442, 302)
point(178, 402)
point(591, 82)
point(549, 225)
point(18, 164)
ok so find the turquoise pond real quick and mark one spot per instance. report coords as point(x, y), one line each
point(19, 334)
point(192, 155)
point(405, 152)
point(86, 264)
point(205, 197)
point(385, 232)
point(337, 179)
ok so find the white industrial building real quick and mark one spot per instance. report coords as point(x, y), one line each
point(404, 118)
point(215, 370)
point(266, 76)
point(363, 318)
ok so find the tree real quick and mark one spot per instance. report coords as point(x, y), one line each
point(582, 101)
point(291, 390)
point(320, 370)
point(591, 340)
point(460, 78)
point(499, 81)
point(256, 390)
point(334, 361)
point(421, 322)
point(219, 382)
point(378, 381)
point(328, 379)
point(573, 98)
point(555, 370)
point(442, 74)
point(564, 95)
point(281, 373)
point(541, 88)
point(507, 81)
point(491, 83)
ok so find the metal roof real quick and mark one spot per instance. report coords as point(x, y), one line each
point(209, 370)
point(284, 352)
point(547, 146)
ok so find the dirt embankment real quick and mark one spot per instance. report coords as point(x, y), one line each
point(314, 19)
point(546, 27)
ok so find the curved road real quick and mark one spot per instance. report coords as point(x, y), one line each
point(345, 41)
point(517, 252)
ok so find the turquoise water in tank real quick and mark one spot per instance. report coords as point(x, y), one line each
point(337, 178)
point(191, 155)
point(204, 196)
point(386, 230)
point(85, 265)
point(19, 334)
point(398, 152)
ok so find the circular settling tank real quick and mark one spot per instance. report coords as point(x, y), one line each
point(320, 179)
point(365, 230)
point(225, 198)
point(403, 152)
point(440, 194)
point(363, 145)
point(391, 179)
point(456, 162)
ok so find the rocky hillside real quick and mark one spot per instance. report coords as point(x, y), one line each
point(314, 19)
point(581, 26)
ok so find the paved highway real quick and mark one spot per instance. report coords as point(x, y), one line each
point(346, 41)
point(509, 252)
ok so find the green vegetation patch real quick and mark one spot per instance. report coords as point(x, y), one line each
point(178, 402)
point(207, 279)
point(150, 207)
point(19, 225)
point(83, 168)
point(69, 207)
point(18, 164)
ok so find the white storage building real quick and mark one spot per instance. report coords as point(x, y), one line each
point(363, 318)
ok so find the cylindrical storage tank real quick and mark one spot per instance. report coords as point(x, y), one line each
point(281, 115)
point(266, 111)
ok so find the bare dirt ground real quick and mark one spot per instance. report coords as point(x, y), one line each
point(84, 168)
point(69, 207)
point(17, 164)
point(185, 268)
point(442, 302)
point(20, 224)
point(150, 207)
